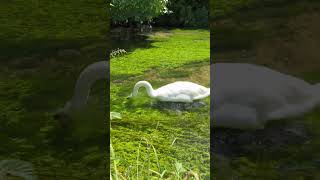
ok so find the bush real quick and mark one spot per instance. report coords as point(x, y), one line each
point(137, 11)
point(187, 13)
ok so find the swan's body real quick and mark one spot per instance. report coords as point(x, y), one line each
point(180, 91)
point(247, 96)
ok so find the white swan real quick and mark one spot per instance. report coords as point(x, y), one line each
point(180, 91)
point(247, 96)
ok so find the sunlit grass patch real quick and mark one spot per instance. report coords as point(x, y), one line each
point(181, 47)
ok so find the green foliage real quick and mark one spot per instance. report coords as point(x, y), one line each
point(186, 13)
point(137, 10)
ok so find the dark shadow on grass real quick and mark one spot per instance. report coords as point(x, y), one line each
point(165, 107)
point(172, 72)
point(274, 138)
point(243, 28)
point(136, 125)
point(44, 48)
point(134, 42)
point(179, 106)
point(269, 8)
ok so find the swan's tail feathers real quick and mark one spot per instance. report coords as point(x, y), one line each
point(206, 94)
point(316, 92)
point(299, 109)
point(296, 110)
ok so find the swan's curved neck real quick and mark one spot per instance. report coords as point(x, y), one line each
point(145, 84)
point(87, 78)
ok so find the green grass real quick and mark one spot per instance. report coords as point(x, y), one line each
point(61, 19)
point(300, 161)
point(150, 139)
point(221, 9)
point(168, 50)
point(243, 24)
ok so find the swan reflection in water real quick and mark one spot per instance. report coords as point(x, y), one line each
point(245, 96)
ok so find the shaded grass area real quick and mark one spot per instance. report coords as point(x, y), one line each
point(238, 25)
point(154, 138)
point(221, 9)
point(30, 131)
point(61, 19)
point(44, 47)
point(35, 27)
point(263, 161)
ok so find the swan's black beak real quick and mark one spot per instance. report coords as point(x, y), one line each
point(130, 96)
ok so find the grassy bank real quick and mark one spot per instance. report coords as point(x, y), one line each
point(152, 136)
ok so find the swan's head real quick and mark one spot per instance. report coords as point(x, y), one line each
point(139, 84)
point(67, 107)
point(130, 96)
point(63, 112)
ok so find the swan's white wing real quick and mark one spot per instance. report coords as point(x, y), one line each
point(181, 90)
point(245, 83)
point(264, 89)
